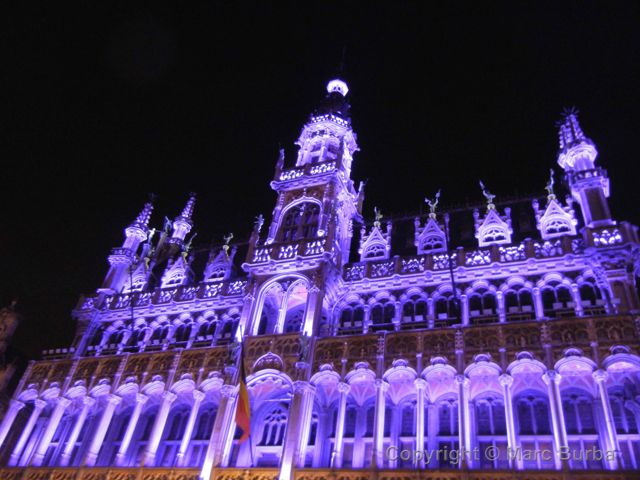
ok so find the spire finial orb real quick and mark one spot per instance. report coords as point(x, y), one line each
point(337, 85)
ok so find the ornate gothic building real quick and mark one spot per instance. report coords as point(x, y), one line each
point(470, 341)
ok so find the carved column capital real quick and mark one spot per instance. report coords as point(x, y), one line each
point(64, 402)
point(381, 385)
point(344, 388)
point(169, 397)
point(600, 376)
point(16, 405)
point(462, 380)
point(88, 401)
point(229, 391)
point(113, 399)
point(141, 398)
point(198, 396)
point(551, 376)
point(39, 404)
point(505, 380)
point(420, 383)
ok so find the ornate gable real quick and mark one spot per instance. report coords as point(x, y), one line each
point(177, 273)
point(493, 229)
point(376, 245)
point(556, 220)
point(219, 266)
point(430, 238)
point(138, 279)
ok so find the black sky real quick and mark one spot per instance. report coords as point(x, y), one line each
point(107, 101)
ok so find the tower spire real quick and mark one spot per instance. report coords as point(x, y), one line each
point(589, 184)
point(183, 223)
point(142, 220)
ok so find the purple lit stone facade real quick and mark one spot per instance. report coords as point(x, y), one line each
point(508, 343)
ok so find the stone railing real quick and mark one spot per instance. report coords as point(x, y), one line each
point(289, 250)
point(310, 169)
point(462, 257)
point(161, 296)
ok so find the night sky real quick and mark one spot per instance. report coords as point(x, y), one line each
point(108, 101)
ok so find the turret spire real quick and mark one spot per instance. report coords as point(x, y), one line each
point(577, 151)
point(183, 223)
point(187, 212)
point(142, 220)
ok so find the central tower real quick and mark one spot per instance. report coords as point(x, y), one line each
point(309, 236)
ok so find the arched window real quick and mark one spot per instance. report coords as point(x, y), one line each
point(446, 309)
point(172, 436)
point(414, 311)
point(273, 427)
point(351, 318)
point(490, 416)
point(141, 436)
point(408, 424)
point(447, 434)
point(114, 436)
point(296, 307)
point(350, 421)
point(591, 297)
point(183, 332)
point(271, 309)
point(448, 418)
point(533, 415)
point(382, 314)
point(578, 414)
point(202, 432)
point(557, 300)
point(299, 221)
point(228, 330)
point(518, 303)
point(482, 303)
point(207, 330)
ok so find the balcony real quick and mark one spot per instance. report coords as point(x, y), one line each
point(289, 250)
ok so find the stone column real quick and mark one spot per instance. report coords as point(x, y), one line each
point(314, 303)
point(298, 427)
point(537, 303)
point(65, 457)
point(121, 456)
point(575, 295)
point(198, 396)
point(52, 425)
point(431, 312)
point(397, 318)
point(502, 314)
point(600, 376)
point(38, 406)
point(552, 380)
point(464, 422)
point(12, 412)
point(98, 437)
point(221, 439)
point(336, 460)
point(168, 398)
point(378, 429)
point(464, 307)
point(366, 321)
point(421, 385)
point(506, 381)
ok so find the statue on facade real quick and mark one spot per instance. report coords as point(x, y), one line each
point(487, 195)
point(305, 345)
point(433, 204)
point(550, 183)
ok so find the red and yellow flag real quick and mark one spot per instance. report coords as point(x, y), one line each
point(243, 412)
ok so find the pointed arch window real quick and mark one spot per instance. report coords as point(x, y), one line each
point(414, 312)
point(351, 318)
point(299, 221)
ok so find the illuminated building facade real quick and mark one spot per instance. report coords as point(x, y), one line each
point(514, 347)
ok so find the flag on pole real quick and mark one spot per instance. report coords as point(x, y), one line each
point(243, 412)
